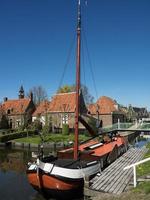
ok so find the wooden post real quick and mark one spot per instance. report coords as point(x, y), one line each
point(118, 123)
point(134, 173)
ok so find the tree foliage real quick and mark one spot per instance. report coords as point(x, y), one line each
point(39, 94)
point(66, 89)
point(3, 118)
point(88, 98)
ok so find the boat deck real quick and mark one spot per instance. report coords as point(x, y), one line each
point(114, 179)
point(69, 163)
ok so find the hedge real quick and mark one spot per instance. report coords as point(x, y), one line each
point(65, 129)
point(12, 136)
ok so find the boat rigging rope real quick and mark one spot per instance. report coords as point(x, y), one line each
point(67, 61)
point(83, 63)
point(90, 63)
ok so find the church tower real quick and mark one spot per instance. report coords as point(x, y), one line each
point(21, 92)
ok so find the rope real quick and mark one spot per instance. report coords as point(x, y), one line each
point(83, 63)
point(90, 63)
point(67, 61)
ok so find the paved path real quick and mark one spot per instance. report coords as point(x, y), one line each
point(114, 179)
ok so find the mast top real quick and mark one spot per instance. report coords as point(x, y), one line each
point(79, 15)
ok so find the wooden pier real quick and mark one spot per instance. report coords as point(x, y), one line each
point(114, 179)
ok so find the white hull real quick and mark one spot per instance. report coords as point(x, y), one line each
point(90, 169)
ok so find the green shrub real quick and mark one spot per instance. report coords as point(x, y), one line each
point(36, 125)
point(65, 129)
point(12, 136)
point(45, 129)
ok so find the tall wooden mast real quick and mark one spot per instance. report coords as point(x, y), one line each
point(77, 81)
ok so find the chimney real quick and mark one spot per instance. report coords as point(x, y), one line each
point(5, 99)
point(31, 96)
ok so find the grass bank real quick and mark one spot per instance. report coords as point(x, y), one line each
point(35, 139)
point(142, 171)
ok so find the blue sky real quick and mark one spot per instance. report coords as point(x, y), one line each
point(35, 37)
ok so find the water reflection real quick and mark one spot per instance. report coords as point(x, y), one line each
point(13, 181)
point(140, 141)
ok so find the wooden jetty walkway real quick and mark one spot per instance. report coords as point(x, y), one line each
point(114, 179)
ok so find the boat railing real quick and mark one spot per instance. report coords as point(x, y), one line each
point(134, 169)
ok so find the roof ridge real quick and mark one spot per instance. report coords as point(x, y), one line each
point(17, 99)
point(65, 93)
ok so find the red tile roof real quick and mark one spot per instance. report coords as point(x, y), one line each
point(105, 105)
point(63, 102)
point(18, 106)
point(92, 109)
point(42, 108)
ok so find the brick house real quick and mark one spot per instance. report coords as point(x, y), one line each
point(60, 110)
point(136, 113)
point(108, 111)
point(18, 111)
point(41, 112)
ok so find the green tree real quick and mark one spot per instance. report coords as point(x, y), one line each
point(66, 89)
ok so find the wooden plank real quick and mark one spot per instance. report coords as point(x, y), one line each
point(114, 171)
point(114, 179)
point(111, 170)
point(126, 181)
point(123, 180)
point(117, 179)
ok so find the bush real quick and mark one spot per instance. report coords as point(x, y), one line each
point(65, 129)
point(45, 129)
point(13, 136)
point(36, 125)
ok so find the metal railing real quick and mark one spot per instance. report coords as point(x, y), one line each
point(127, 126)
point(134, 169)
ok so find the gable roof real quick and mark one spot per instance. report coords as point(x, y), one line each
point(104, 105)
point(60, 103)
point(41, 108)
point(18, 106)
point(63, 102)
point(137, 109)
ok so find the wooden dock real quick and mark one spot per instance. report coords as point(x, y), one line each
point(114, 179)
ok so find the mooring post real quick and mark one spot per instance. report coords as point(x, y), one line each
point(118, 123)
point(134, 173)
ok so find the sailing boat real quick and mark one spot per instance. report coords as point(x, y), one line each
point(64, 175)
point(55, 176)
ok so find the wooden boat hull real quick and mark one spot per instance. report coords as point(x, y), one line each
point(60, 181)
point(52, 186)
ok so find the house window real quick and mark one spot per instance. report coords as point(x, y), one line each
point(18, 123)
point(10, 123)
point(65, 119)
point(8, 111)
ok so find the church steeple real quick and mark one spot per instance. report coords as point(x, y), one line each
point(21, 92)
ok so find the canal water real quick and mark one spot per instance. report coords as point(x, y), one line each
point(13, 180)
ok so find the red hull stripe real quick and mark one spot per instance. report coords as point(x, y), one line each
point(49, 182)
